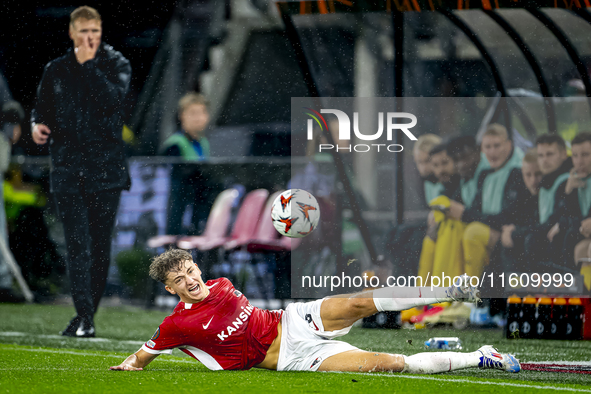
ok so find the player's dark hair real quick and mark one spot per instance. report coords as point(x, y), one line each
point(169, 261)
point(461, 144)
point(549, 139)
point(496, 130)
point(438, 149)
point(581, 137)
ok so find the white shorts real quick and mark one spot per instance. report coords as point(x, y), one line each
point(304, 343)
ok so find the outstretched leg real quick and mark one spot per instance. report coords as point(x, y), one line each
point(342, 311)
point(362, 361)
point(338, 313)
point(423, 363)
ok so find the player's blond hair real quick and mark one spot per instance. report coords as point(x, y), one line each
point(496, 130)
point(169, 261)
point(531, 156)
point(190, 99)
point(84, 12)
point(426, 142)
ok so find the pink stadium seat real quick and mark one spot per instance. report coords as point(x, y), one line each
point(217, 224)
point(266, 238)
point(245, 223)
point(248, 219)
point(162, 241)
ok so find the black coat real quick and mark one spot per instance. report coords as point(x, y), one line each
point(570, 212)
point(82, 106)
point(533, 225)
point(518, 204)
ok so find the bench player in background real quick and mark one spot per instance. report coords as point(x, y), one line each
point(216, 324)
point(441, 251)
point(470, 162)
point(404, 242)
point(574, 225)
point(530, 240)
point(516, 241)
point(497, 201)
point(421, 156)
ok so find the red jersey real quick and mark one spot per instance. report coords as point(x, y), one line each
point(224, 331)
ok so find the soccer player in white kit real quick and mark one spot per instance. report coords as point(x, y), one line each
point(215, 324)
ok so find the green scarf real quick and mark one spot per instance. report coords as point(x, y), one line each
point(493, 189)
point(470, 187)
point(546, 198)
point(432, 190)
point(186, 147)
point(585, 197)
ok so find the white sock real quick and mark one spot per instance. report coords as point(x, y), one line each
point(401, 298)
point(440, 362)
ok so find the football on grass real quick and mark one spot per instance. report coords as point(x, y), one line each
point(295, 213)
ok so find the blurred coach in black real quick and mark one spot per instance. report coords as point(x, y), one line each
point(79, 110)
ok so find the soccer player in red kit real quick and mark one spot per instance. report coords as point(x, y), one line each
point(215, 324)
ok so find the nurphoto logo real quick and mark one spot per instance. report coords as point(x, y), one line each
point(344, 130)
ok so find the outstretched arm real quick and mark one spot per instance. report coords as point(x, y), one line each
point(135, 362)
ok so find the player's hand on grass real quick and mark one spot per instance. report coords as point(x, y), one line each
point(125, 367)
point(135, 362)
point(40, 133)
point(129, 364)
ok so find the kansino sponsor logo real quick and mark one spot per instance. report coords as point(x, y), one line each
point(344, 133)
point(235, 325)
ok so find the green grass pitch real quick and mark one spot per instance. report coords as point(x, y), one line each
point(35, 359)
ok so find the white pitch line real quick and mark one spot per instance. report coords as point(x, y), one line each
point(90, 354)
point(552, 353)
point(25, 334)
point(493, 383)
point(444, 380)
point(586, 363)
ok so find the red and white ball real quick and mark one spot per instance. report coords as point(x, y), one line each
point(295, 213)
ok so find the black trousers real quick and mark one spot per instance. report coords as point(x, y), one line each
point(88, 221)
